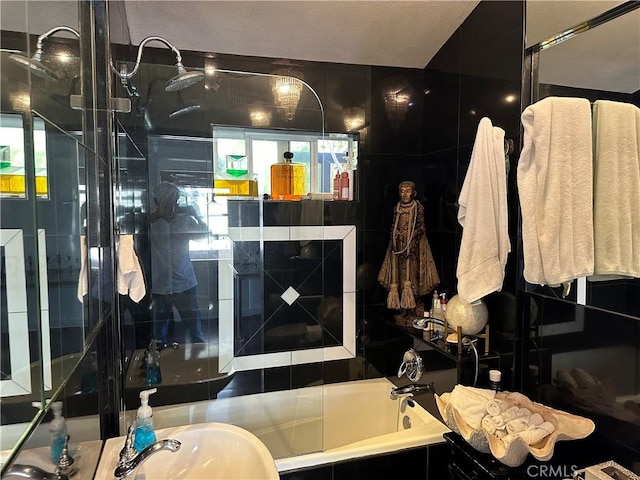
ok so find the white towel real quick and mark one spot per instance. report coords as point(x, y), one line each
point(616, 190)
point(517, 425)
point(470, 403)
point(496, 407)
point(83, 282)
point(556, 191)
point(483, 216)
point(129, 273)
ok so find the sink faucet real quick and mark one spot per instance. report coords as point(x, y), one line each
point(33, 473)
point(410, 389)
point(63, 470)
point(130, 459)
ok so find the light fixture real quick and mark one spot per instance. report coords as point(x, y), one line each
point(35, 63)
point(287, 90)
point(353, 118)
point(182, 80)
point(397, 99)
point(260, 117)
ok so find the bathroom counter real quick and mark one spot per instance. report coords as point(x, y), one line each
point(85, 455)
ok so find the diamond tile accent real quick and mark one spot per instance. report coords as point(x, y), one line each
point(290, 295)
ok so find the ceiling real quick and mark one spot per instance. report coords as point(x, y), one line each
point(393, 33)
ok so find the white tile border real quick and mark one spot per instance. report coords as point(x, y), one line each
point(17, 312)
point(226, 271)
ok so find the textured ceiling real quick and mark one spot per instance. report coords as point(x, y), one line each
point(390, 33)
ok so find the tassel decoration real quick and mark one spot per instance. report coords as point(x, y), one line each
point(407, 300)
point(393, 299)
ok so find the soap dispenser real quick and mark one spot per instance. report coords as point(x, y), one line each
point(145, 434)
point(152, 363)
point(57, 430)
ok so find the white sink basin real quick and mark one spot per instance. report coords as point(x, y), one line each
point(211, 451)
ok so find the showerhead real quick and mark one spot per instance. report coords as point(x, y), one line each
point(183, 79)
point(183, 110)
point(35, 63)
point(36, 66)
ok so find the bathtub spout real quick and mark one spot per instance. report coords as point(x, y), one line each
point(410, 389)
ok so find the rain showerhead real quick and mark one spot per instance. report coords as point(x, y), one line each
point(36, 66)
point(184, 110)
point(183, 79)
point(35, 63)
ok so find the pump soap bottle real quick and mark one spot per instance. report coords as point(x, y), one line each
point(152, 362)
point(145, 434)
point(57, 430)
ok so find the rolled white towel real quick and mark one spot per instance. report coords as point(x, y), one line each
point(547, 427)
point(500, 433)
point(488, 425)
point(525, 412)
point(470, 403)
point(536, 419)
point(498, 421)
point(512, 413)
point(496, 407)
point(517, 425)
point(534, 435)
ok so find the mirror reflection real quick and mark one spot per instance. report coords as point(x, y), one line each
point(592, 65)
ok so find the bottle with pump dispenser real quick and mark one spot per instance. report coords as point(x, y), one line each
point(152, 362)
point(145, 435)
point(57, 430)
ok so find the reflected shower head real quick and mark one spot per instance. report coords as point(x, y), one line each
point(183, 79)
point(36, 66)
point(183, 110)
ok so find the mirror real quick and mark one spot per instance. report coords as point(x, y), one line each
point(589, 63)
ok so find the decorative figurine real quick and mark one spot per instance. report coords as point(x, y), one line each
point(408, 262)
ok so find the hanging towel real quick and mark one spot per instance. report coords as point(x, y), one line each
point(483, 216)
point(616, 190)
point(83, 283)
point(129, 273)
point(555, 183)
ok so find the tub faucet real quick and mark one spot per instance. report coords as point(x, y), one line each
point(397, 392)
point(129, 459)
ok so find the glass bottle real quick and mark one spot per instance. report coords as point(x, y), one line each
point(287, 179)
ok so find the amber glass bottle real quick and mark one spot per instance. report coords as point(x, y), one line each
point(287, 179)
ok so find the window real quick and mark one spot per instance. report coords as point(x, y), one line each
point(321, 156)
point(12, 157)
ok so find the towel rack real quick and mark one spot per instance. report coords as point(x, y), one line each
point(508, 146)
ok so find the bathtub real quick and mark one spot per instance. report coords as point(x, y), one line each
point(318, 425)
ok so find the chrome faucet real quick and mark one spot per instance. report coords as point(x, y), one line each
point(410, 389)
point(129, 459)
point(33, 473)
point(63, 471)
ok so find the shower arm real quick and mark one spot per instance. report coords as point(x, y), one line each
point(45, 35)
point(125, 75)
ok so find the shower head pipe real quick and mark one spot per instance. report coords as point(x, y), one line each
point(174, 83)
point(35, 62)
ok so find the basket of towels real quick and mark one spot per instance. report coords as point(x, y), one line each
point(507, 424)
